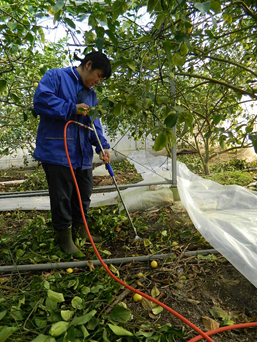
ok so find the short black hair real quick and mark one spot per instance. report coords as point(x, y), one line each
point(99, 61)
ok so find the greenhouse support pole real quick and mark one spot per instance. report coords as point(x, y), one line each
point(174, 149)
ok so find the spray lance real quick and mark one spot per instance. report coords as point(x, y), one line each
point(111, 173)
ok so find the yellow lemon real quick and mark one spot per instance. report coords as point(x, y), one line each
point(154, 264)
point(69, 270)
point(137, 297)
point(140, 275)
point(35, 84)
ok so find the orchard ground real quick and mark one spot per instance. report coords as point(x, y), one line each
point(207, 290)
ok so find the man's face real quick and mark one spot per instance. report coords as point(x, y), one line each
point(91, 77)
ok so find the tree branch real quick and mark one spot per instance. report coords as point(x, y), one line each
point(215, 81)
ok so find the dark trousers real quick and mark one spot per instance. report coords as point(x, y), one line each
point(63, 195)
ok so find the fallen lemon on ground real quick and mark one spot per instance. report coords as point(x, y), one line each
point(154, 264)
point(137, 297)
point(69, 270)
point(140, 275)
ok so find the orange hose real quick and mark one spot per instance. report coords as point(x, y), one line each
point(183, 319)
point(228, 327)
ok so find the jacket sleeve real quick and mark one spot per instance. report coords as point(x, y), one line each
point(102, 139)
point(46, 99)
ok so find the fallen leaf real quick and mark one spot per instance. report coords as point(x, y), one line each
point(90, 265)
point(147, 305)
point(217, 312)
point(193, 301)
point(3, 279)
point(162, 281)
point(209, 323)
point(152, 316)
point(139, 283)
point(155, 292)
point(158, 309)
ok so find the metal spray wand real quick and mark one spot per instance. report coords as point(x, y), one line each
point(111, 173)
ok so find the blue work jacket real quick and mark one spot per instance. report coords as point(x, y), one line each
point(55, 101)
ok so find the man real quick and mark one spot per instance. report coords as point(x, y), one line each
point(62, 95)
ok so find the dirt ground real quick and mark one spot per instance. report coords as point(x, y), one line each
point(209, 292)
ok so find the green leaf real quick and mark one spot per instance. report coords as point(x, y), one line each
point(248, 129)
point(41, 35)
point(58, 328)
point(58, 6)
point(118, 109)
point(119, 331)
point(227, 321)
point(57, 16)
point(114, 270)
point(203, 7)
point(12, 25)
point(209, 33)
point(255, 145)
point(99, 43)
point(253, 138)
point(160, 142)
point(70, 23)
point(217, 312)
point(155, 292)
point(19, 253)
point(131, 65)
point(157, 310)
point(41, 338)
point(183, 49)
point(84, 331)
point(97, 288)
point(83, 319)
point(41, 323)
point(6, 332)
point(15, 97)
point(217, 118)
point(2, 314)
point(50, 304)
point(145, 39)
point(120, 314)
point(144, 333)
point(160, 19)
point(215, 6)
point(171, 137)
point(77, 302)
point(112, 37)
point(67, 314)
point(177, 59)
point(55, 296)
point(171, 120)
point(167, 48)
point(151, 4)
point(3, 85)
point(208, 134)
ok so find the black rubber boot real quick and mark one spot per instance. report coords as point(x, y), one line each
point(81, 231)
point(66, 242)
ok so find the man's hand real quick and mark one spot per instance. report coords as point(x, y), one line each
point(105, 157)
point(82, 109)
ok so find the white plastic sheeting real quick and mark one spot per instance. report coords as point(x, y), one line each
point(226, 215)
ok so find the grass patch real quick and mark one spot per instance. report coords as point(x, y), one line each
point(231, 177)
